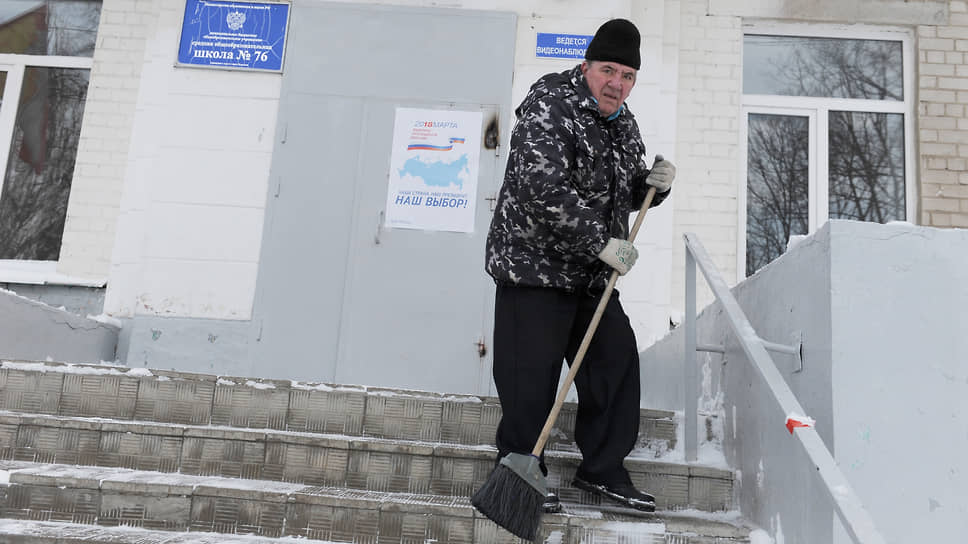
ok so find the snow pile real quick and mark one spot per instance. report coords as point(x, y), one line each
point(710, 452)
point(710, 416)
point(71, 368)
point(731, 517)
point(760, 536)
point(629, 528)
point(325, 387)
point(555, 537)
point(106, 319)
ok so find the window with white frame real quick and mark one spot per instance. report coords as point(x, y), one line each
point(828, 119)
point(45, 63)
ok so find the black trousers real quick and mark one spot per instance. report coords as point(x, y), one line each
point(535, 329)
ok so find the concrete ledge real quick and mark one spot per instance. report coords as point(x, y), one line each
point(34, 330)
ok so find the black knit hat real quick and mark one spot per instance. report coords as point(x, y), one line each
point(616, 41)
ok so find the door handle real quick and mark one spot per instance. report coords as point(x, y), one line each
point(379, 229)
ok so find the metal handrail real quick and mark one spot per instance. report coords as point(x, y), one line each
point(850, 510)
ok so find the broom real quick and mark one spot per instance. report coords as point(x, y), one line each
point(513, 494)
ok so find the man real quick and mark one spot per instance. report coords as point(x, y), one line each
point(575, 172)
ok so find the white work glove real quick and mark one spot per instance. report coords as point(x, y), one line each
point(662, 174)
point(620, 255)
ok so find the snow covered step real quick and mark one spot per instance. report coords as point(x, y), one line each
point(605, 530)
point(141, 394)
point(50, 532)
point(182, 503)
point(361, 463)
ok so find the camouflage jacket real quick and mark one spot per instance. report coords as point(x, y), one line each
point(572, 179)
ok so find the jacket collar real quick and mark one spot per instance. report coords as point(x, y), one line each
point(586, 99)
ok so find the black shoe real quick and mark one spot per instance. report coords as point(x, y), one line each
point(552, 504)
point(624, 494)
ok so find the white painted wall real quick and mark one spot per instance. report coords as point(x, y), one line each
point(882, 313)
point(899, 307)
point(190, 225)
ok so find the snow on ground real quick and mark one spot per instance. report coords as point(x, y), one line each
point(157, 478)
point(555, 537)
point(71, 368)
point(710, 453)
point(384, 392)
point(46, 529)
point(325, 387)
point(106, 319)
point(732, 517)
point(102, 318)
point(629, 528)
point(759, 536)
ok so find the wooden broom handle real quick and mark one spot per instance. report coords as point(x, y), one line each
point(589, 333)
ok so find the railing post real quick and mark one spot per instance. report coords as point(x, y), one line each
point(690, 394)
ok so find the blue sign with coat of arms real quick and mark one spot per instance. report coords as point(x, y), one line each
point(241, 35)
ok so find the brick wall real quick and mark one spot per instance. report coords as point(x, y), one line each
point(708, 146)
point(943, 123)
point(105, 134)
point(709, 121)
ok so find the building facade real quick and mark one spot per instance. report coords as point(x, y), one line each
point(156, 192)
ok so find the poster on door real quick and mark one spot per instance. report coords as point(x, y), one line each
point(433, 170)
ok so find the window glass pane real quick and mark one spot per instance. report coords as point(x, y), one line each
point(51, 27)
point(33, 201)
point(778, 185)
point(867, 166)
point(823, 67)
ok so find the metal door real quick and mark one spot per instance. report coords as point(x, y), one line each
point(340, 297)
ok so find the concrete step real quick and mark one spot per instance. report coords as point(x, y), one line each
point(138, 394)
point(51, 496)
point(51, 532)
point(359, 463)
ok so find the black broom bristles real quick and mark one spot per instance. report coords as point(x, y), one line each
point(508, 500)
